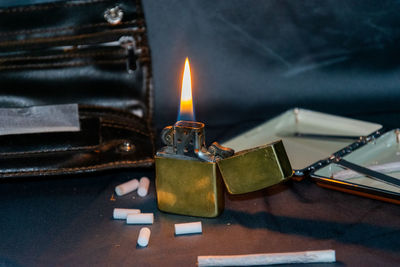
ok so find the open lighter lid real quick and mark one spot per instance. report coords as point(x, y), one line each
point(256, 168)
point(308, 136)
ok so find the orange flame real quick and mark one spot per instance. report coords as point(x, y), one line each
point(186, 111)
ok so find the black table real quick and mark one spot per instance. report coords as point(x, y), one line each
point(67, 221)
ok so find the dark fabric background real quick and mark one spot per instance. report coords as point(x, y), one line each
point(252, 59)
point(67, 221)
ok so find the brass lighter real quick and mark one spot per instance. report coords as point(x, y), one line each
point(190, 178)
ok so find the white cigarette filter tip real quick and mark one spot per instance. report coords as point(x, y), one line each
point(143, 186)
point(188, 228)
point(140, 218)
point(268, 258)
point(123, 213)
point(144, 236)
point(127, 187)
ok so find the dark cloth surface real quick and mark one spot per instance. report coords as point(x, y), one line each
point(250, 60)
point(67, 221)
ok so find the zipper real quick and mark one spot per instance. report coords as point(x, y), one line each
point(126, 42)
point(129, 43)
point(59, 53)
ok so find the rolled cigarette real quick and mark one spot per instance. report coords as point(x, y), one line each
point(384, 168)
point(268, 259)
point(127, 187)
point(144, 236)
point(123, 213)
point(188, 228)
point(140, 218)
point(143, 186)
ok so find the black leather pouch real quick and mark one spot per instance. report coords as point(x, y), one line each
point(93, 53)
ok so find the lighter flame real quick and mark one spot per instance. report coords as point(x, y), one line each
point(186, 111)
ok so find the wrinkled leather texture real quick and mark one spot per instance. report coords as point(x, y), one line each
point(67, 52)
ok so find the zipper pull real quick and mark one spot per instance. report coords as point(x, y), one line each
point(128, 42)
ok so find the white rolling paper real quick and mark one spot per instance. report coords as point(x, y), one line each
point(144, 236)
point(188, 228)
point(322, 256)
point(143, 186)
point(127, 187)
point(123, 213)
point(141, 218)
